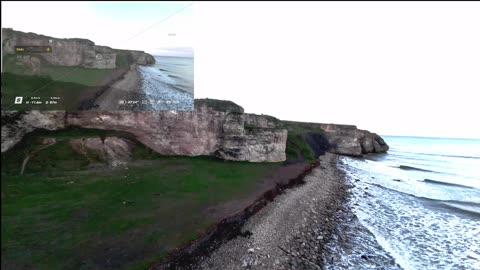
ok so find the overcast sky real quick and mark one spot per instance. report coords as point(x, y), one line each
point(155, 27)
point(400, 68)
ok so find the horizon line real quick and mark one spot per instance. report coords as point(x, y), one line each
point(431, 137)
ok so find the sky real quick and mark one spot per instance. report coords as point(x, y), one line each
point(122, 25)
point(394, 68)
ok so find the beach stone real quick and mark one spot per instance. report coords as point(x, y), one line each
point(278, 222)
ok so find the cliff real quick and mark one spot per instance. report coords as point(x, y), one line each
point(214, 128)
point(65, 52)
point(339, 139)
point(142, 58)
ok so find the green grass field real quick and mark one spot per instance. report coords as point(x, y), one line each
point(298, 148)
point(73, 74)
point(71, 83)
point(84, 76)
point(62, 215)
point(14, 85)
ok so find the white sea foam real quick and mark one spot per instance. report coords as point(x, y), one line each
point(422, 225)
point(158, 88)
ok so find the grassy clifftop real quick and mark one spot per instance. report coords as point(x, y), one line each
point(219, 105)
point(76, 70)
point(304, 141)
point(68, 212)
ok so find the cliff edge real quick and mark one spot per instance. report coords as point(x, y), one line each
point(215, 128)
point(339, 139)
point(65, 52)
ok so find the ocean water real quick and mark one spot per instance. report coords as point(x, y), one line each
point(415, 207)
point(169, 83)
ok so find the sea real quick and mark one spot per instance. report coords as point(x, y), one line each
point(169, 83)
point(415, 207)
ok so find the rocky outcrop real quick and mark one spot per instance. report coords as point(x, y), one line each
point(348, 140)
point(113, 150)
point(16, 124)
point(32, 64)
point(241, 142)
point(372, 143)
point(215, 128)
point(262, 121)
point(65, 52)
point(343, 139)
point(142, 58)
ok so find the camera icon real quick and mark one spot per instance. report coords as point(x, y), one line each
point(18, 100)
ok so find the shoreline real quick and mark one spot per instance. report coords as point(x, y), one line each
point(166, 96)
point(126, 88)
point(288, 227)
point(353, 245)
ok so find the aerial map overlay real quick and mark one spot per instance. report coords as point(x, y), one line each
point(240, 135)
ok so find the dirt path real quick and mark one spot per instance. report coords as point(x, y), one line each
point(31, 154)
point(290, 232)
